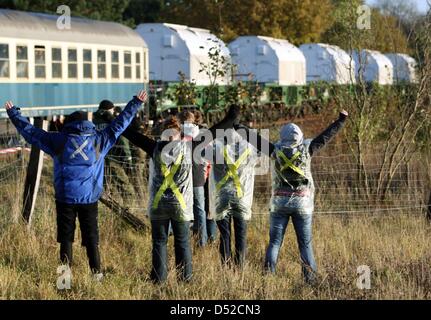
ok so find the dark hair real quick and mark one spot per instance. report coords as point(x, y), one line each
point(199, 119)
point(76, 116)
point(106, 105)
point(171, 122)
point(186, 116)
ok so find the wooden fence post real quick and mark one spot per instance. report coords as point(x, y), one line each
point(429, 208)
point(34, 171)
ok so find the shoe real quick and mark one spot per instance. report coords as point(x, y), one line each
point(98, 277)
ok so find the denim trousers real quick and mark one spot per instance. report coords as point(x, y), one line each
point(211, 230)
point(183, 254)
point(200, 217)
point(240, 229)
point(302, 224)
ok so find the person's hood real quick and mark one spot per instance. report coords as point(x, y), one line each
point(291, 135)
point(79, 127)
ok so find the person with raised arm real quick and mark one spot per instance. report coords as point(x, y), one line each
point(171, 190)
point(78, 151)
point(293, 189)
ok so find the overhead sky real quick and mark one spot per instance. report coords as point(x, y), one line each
point(422, 5)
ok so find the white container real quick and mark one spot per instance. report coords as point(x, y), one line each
point(374, 66)
point(176, 48)
point(404, 67)
point(328, 63)
point(268, 60)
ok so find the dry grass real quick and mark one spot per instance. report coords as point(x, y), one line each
point(395, 247)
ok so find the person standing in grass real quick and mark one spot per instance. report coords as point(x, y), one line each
point(171, 191)
point(293, 190)
point(231, 185)
point(78, 152)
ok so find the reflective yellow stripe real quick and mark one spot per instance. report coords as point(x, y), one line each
point(170, 183)
point(233, 171)
point(288, 163)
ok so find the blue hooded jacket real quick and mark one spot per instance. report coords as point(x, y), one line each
point(78, 151)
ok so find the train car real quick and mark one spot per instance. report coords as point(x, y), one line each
point(328, 63)
point(176, 49)
point(51, 71)
point(374, 66)
point(404, 68)
point(275, 63)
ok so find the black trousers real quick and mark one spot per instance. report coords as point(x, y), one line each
point(66, 222)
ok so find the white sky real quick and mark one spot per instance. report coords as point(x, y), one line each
point(422, 5)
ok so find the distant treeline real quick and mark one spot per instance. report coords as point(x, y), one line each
point(393, 22)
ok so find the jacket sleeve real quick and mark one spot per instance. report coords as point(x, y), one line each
point(322, 139)
point(231, 118)
point(140, 140)
point(256, 140)
point(45, 141)
point(111, 133)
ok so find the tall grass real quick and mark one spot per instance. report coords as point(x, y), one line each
point(394, 246)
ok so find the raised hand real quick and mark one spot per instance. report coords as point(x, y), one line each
point(8, 105)
point(142, 95)
point(344, 112)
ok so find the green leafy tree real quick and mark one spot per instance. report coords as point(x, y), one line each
point(143, 11)
point(185, 92)
point(108, 10)
point(297, 20)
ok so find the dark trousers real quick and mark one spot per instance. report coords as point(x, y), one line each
point(183, 254)
point(240, 229)
point(66, 225)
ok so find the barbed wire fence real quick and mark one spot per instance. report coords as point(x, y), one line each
point(334, 170)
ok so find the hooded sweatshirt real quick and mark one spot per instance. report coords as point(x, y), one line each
point(290, 189)
point(78, 151)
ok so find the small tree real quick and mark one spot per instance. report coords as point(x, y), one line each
point(185, 92)
point(218, 67)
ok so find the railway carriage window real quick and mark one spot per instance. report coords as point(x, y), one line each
point(145, 63)
point(21, 62)
point(138, 65)
point(115, 65)
point(88, 73)
point(72, 66)
point(4, 60)
point(101, 64)
point(57, 68)
point(39, 62)
point(127, 65)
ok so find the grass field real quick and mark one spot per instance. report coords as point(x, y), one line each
point(394, 245)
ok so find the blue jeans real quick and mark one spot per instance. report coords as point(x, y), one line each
point(240, 229)
point(211, 230)
point(302, 224)
point(200, 216)
point(183, 253)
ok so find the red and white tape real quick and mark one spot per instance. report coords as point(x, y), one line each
point(13, 150)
